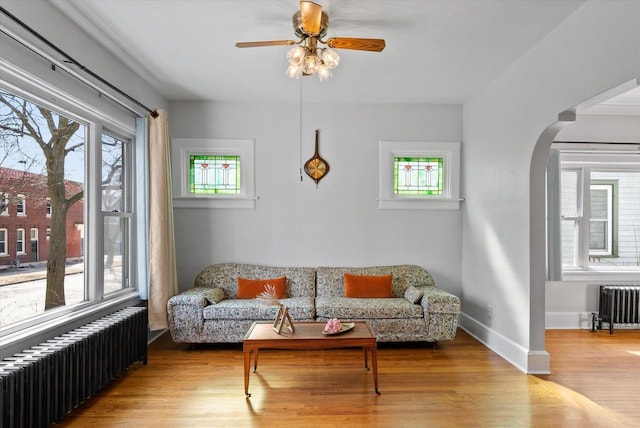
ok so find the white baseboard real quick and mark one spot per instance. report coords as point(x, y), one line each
point(568, 320)
point(529, 362)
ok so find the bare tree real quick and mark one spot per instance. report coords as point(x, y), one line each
point(53, 133)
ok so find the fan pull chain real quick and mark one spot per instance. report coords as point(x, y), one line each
point(300, 110)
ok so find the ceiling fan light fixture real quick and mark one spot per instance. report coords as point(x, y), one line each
point(310, 24)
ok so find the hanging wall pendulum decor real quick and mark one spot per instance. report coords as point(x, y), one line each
point(316, 167)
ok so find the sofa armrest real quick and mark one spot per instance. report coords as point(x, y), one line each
point(199, 296)
point(437, 301)
point(184, 312)
point(441, 310)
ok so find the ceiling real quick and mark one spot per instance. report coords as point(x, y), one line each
point(437, 51)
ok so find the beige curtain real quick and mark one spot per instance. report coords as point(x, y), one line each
point(163, 282)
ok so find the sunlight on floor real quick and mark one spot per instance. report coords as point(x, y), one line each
point(636, 353)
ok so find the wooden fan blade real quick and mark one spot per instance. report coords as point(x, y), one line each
point(311, 14)
point(265, 43)
point(372, 45)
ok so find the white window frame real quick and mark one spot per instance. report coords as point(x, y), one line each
point(5, 210)
point(20, 250)
point(47, 208)
point(21, 201)
point(609, 220)
point(448, 151)
point(4, 234)
point(183, 148)
point(125, 216)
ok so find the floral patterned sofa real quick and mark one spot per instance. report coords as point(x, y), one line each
point(211, 312)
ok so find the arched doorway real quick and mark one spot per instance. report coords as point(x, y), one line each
point(539, 360)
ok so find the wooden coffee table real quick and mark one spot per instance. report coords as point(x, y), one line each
point(308, 335)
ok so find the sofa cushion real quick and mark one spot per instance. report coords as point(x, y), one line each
point(366, 308)
point(367, 285)
point(330, 280)
point(252, 288)
point(413, 294)
point(300, 308)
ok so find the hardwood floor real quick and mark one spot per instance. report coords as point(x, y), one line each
point(461, 384)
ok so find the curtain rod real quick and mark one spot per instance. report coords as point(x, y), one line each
point(68, 59)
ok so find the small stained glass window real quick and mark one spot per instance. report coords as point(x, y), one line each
point(214, 174)
point(418, 176)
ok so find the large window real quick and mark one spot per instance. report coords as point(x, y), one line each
point(600, 213)
point(86, 212)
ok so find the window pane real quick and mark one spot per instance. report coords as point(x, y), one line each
point(3, 242)
point(598, 236)
point(116, 233)
point(569, 243)
point(622, 231)
point(112, 174)
point(418, 176)
point(599, 203)
point(211, 174)
point(30, 156)
point(569, 194)
point(600, 226)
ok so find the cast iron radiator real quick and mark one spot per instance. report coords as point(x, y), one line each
point(619, 304)
point(42, 384)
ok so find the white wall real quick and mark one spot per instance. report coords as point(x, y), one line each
point(593, 50)
point(337, 224)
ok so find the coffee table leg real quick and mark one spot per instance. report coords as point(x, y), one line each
point(247, 368)
point(374, 364)
point(255, 360)
point(366, 357)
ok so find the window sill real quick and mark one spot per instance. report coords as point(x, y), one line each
point(418, 204)
point(219, 202)
point(602, 275)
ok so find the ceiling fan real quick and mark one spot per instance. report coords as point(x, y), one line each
point(310, 24)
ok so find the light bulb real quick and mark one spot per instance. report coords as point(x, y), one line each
point(294, 71)
point(330, 58)
point(323, 72)
point(311, 63)
point(295, 55)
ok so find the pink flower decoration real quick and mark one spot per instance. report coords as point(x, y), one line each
point(333, 326)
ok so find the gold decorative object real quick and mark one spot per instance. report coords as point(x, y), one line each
point(316, 167)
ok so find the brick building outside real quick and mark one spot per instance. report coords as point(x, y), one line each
point(25, 218)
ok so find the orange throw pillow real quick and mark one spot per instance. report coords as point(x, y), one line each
point(251, 288)
point(367, 285)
